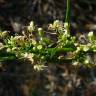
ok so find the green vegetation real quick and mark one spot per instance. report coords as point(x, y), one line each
point(35, 45)
point(43, 49)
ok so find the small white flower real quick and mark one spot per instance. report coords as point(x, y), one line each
point(86, 61)
point(57, 24)
point(75, 63)
point(78, 49)
point(90, 34)
point(9, 50)
point(39, 47)
point(26, 55)
point(40, 29)
point(65, 25)
point(85, 48)
point(31, 23)
point(31, 26)
point(34, 48)
point(39, 67)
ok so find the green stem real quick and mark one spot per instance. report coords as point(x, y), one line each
point(68, 13)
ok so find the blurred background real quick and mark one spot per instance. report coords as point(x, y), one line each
point(15, 13)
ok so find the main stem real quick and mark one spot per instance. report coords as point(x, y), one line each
point(68, 13)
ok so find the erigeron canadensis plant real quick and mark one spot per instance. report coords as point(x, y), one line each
point(34, 45)
point(42, 50)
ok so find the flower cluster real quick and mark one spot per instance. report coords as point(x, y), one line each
point(35, 45)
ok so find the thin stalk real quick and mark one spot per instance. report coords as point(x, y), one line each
point(68, 14)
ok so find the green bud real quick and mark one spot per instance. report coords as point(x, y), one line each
point(41, 32)
point(39, 47)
